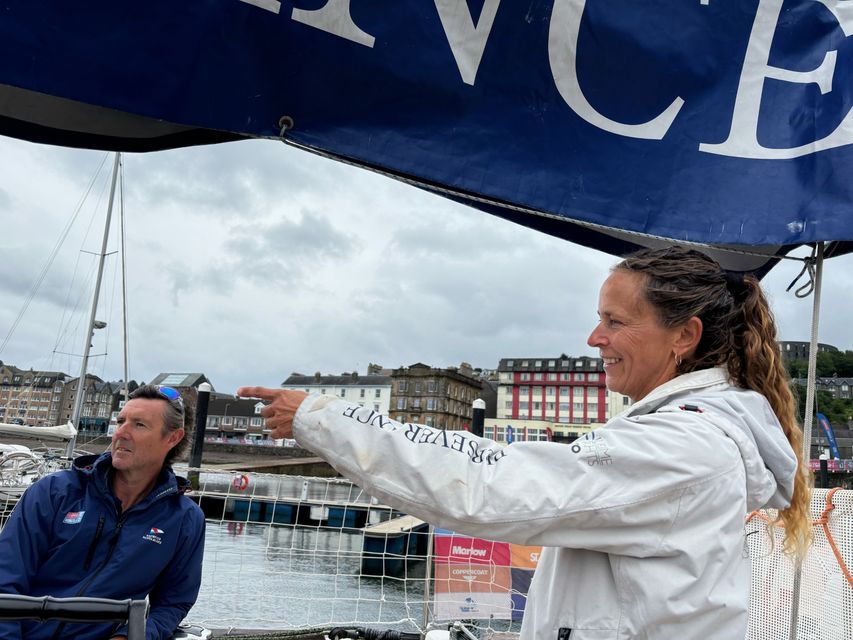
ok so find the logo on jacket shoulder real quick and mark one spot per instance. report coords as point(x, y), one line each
point(593, 449)
point(73, 517)
point(154, 535)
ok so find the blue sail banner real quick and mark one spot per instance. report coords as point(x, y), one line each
point(830, 435)
point(702, 120)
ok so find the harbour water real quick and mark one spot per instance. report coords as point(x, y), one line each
point(258, 576)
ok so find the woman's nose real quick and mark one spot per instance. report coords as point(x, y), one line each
point(596, 338)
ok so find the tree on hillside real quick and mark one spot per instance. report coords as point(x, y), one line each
point(838, 411)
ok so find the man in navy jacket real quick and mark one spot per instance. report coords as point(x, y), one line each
point(113, 526)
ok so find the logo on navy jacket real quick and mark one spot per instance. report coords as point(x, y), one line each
point(73, 517)
point(154, 535)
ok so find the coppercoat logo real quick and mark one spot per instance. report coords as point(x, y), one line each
point(154, 535)
point(73, 517)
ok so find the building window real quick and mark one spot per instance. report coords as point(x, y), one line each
point(343, 393)
point(416, 404)
point(510, 363)
point(565, 377)
point(402, 385)
point(430, 404)
point(376, 407)
point(400, 418)
point(524, 391)
point(550, 391)
point(592, 377)
point(508, 405)
point(401, 403)
point(429, 421)
point(579, 377)
point(524, 406)
point(564, 392)
point(377, 393)
point(525, 377)
point(537, 376)
point(431, 386)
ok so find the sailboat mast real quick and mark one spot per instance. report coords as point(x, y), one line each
point(81, 382)
point(125, 391)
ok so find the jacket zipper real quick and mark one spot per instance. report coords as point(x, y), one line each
point(91, 554)
point(113, 542)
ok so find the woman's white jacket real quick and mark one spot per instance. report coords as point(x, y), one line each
point(642, 519)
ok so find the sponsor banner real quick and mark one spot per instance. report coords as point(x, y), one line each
point(520, 586)
point(832, 465)
point(462, 549)
point(526, 557)
point(472, 578)
point(472, 606)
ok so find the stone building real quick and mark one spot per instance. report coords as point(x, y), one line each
point(440, 398)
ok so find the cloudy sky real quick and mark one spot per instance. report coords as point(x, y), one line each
point(251, 260)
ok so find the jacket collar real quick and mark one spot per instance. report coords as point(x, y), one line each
point(693, 381)
point(100, 467)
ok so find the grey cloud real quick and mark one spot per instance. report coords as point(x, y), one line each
point(285, 249)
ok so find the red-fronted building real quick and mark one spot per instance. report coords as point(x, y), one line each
point(563, 389)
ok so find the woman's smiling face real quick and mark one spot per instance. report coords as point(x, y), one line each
point(638, 351)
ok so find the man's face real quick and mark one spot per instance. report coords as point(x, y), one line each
point(141, 442)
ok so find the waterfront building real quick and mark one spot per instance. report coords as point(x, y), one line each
point(99, 400)
point(506, 430)
point(560, 390)
point(435, 397)
point(186, 383)
point(838, 387)
point(30, 397)
point(230, 418)
point(372, 390)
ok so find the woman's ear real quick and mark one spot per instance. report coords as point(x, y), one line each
point(688, 337)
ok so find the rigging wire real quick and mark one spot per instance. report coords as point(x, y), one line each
point(65, 327)
point(54, 252)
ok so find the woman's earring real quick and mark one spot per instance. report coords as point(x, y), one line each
point(678, 361)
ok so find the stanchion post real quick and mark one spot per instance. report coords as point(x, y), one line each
point(823, 476)
point(198, 439)
point(478, 417)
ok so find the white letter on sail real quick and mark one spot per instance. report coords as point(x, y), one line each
point(467, 41)
point(562, 52)
point(334, 17)
point(743, 136)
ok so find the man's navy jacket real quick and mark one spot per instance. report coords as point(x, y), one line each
point(69, 537)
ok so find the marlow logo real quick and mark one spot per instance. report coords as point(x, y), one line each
point(153, 535)
point(73, 517)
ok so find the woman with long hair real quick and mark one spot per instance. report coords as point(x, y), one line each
point(642, 520)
